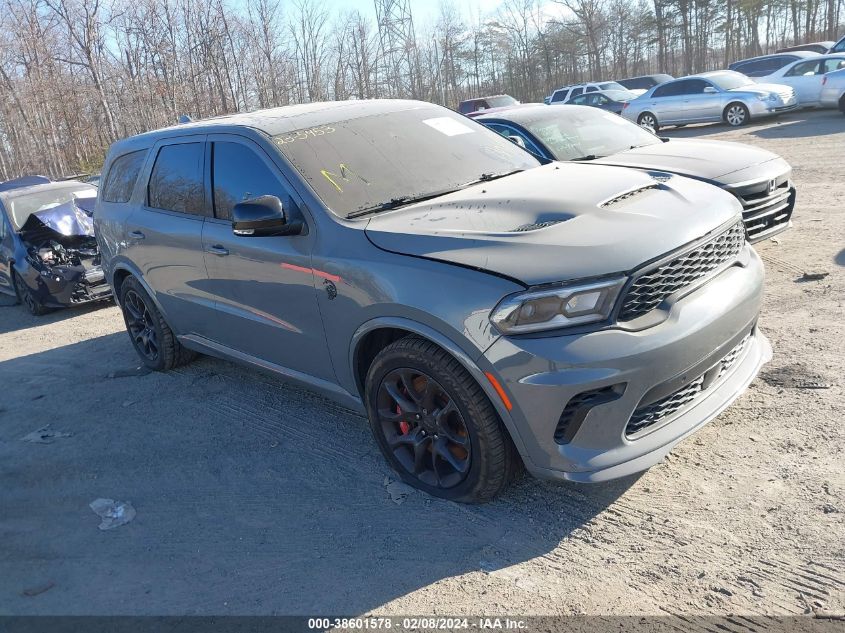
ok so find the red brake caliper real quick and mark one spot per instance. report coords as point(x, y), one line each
point(403, 426)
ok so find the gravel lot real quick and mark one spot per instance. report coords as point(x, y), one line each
point(255, 497)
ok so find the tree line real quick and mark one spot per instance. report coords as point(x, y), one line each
point(77, 74)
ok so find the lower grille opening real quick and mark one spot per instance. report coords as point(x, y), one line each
point(579, 406)
point(655, 413)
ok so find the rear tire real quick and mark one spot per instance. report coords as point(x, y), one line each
point(649, 121)
point(842, 104)
point(440, 433)
point(736, 114)
point(151, 337)
point(28, 298)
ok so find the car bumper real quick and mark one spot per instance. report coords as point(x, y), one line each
point(62, 286)
point(633, 372)
point(762, 108)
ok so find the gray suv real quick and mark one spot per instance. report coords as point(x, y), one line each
point(484, 310)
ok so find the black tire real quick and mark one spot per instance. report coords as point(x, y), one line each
point(27, 298)
point(649, 120)
point(151, 337)
point(842, 104)
point(492, 459)
point(736, 114)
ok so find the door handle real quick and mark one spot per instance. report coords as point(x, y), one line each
point(218, 250)
point(136, 235)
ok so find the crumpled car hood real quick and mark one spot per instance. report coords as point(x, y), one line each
point(711, 160)
point(58, 223)
point(558, 222)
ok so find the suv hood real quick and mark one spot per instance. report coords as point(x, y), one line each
point(558, 222)
point(711, 160)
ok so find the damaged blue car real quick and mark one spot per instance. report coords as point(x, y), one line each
point(48, 254)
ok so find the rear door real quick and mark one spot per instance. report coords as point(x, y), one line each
point(263, 287)
point(164, 234)
point(667, 102)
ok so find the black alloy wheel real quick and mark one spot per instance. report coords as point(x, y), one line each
point(424, 428)
point(27, 298)
point(141, 325)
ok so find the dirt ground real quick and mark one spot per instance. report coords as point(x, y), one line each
point(255, 497)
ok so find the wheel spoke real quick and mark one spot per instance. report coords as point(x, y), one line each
point(405, 405)
point(441, 449)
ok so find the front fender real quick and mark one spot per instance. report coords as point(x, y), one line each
point(476, 367)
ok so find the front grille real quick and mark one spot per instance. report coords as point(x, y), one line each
point(765, 213)
point(650, 289)
point(656, 412)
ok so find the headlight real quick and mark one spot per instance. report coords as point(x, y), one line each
point(562, 306)
point(772, 96)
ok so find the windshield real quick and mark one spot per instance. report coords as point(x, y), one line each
point(573, 132)
point(22, 205)
point(379, 160)
point(730, 80)
point(501, 102)
point(611, 85)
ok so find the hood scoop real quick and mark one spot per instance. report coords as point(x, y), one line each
point(536, 226)
point(627, 196)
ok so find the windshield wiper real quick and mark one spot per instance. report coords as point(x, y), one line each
point(401, 201)
point(395, 203)
point(587, 157)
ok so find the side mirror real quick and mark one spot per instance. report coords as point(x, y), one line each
point(262, 216)
point(517, 140)
point(709, 90)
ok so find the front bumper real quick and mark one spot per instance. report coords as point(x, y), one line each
point(62, 286)
point(633, 369)
point(766, 108)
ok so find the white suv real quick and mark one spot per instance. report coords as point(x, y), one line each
point(562, 95)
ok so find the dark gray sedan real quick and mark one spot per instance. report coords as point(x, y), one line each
point(608, 100)
point(761, 180)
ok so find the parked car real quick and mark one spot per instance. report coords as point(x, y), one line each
point(472, 106)
point(48, 254)
point(722, 95)
point(833, 90)
point(644, 82)
point(562, 95)
point(839, 47)
point(814, 47)
point(610, 100)
point(805, 77)
point(482, 308)
point(767, 64)
point(760, 180)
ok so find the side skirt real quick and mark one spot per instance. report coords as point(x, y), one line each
point(324, 387)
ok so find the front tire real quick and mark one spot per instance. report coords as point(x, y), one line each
point(736, 114)
point(151, 337)
point(435, 425)
point(28, 298)
point(649, 121)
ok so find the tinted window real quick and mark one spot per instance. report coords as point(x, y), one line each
point(577, 91)
point(559, 95)
point(799, 70)
point(122, 176)
point(829, 65)
point(694, 86)
point(240, 174)
point(176, 181)
point(839, 47)
point(669, 90)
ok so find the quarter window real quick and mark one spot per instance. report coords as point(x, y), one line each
point(123, 173)
point(176, 181)
point(239, 174)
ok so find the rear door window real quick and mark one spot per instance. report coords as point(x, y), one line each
point(122, 176)
point(829, 65)
point(668, 90)
point(805, 68)
point(176, 183)
point(239, 174)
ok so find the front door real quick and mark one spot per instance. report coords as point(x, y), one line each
point(805, 79)
point(263, 286)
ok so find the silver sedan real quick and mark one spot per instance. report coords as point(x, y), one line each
point(722, 95)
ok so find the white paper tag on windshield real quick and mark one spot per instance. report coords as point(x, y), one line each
point(448, 126)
